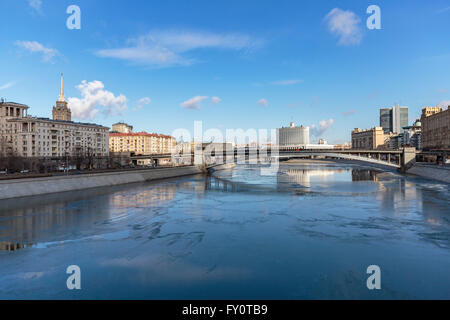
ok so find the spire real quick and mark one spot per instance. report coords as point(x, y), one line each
point(61, 94)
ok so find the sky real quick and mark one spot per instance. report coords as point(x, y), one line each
point(161, 65)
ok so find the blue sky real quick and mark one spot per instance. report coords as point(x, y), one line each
point(160, 65)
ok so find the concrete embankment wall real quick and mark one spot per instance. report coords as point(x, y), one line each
point(219, 167)
point(431, 171)
point(39, 186)
point(365, 164)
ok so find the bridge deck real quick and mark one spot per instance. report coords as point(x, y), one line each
point(269, 151)
point(355, 155)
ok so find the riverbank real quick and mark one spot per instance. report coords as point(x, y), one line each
point(308, 161)
point(39, 186)
point(428, 171)
point(431, 171)
point(341, 161)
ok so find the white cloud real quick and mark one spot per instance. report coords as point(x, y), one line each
point(167, 48)
point(444, 104)
point(36, 5)
point(147, 55)
point(345, 25)
point(143, 101)
point(182, 41)
point(286, 82)
point(294, 104)
point(349, 112)
point(7, 85)
point(216, 100)
point(35, 47)
point(324, 125)
point(193, 103)
point(257, 84)
point(263, 102)
point(443, 10)
point(95, 99)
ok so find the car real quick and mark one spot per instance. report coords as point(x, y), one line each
point(25, 171)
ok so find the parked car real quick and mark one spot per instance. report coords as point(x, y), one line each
point(25, 171)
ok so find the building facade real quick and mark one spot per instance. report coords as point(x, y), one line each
point(61, 111)
point(428, 111)
point(27, 136)
point(435, 128)
point(370, 139)
point(121, 127)
point(412, 136)
point(293, 136)
point(394, 119)
point(141, 143)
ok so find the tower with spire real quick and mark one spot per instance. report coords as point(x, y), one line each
point(61, 111)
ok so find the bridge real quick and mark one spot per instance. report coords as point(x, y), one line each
point(401, 159)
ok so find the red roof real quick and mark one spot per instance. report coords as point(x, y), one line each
point(137, 134)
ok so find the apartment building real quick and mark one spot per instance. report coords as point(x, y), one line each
point(24, 135)
point(370, 139)
point(121, 127)
point(435, 128)
point(141, 143)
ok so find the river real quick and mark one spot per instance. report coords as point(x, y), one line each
point(308, 232)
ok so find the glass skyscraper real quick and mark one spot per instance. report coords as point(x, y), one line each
point(394, 119)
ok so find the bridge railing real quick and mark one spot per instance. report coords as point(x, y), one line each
point(258, 155)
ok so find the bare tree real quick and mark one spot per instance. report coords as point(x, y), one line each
point(3, 153)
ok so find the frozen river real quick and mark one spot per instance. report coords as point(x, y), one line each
point(308, 232)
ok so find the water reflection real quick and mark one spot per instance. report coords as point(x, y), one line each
point(73, 215)
point(229, 235)
point(80, 214)
point(9, 246)
point(364, 175)
point(303, 177)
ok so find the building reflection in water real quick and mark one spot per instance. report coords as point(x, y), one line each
point(39, 220)
point(156, 195)
point(9, 246)
point(30, 221)
point(364, 175)
point(303, 177)
point(287, 179)
point(220, 184)
point(61, 216)
point(398, 197)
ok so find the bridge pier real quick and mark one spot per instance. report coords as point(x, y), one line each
point(407, 159)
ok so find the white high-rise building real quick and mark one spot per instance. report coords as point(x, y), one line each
point(293, 136)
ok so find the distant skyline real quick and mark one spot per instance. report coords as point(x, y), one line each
point(161, 65)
